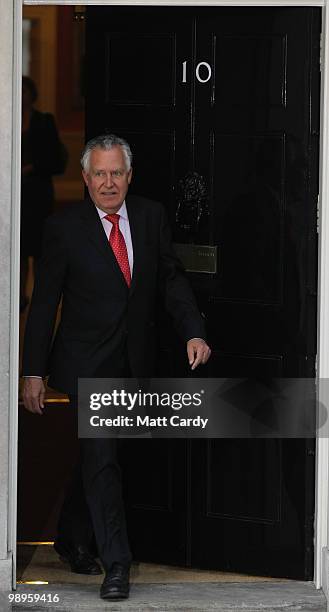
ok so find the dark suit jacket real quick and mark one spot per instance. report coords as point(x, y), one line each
point(99, 313)
point(42, 148)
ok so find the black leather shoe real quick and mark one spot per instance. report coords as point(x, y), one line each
point(116, 583)
point(79, 558)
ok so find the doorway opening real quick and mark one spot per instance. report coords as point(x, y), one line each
point(234, 99)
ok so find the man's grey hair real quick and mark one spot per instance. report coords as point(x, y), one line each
point(105, 142)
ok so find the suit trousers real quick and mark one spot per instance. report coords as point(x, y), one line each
point(93, 512)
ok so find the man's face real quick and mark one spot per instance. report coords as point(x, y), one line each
point(107, 178)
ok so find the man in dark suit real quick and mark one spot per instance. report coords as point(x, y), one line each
point(43, 155)
point(106, 258)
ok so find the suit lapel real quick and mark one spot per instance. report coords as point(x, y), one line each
point(93, 227)
point(138, 235)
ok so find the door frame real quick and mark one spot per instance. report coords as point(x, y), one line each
point(321, 557)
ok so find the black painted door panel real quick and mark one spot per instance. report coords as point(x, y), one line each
point(232, 95)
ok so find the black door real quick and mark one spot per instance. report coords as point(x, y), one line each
point(221, 107)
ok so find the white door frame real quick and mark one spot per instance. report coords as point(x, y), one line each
point(322, 457)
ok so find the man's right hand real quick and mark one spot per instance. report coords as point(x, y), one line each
point(34, 394)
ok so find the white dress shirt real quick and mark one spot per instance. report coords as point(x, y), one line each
point(124, 228)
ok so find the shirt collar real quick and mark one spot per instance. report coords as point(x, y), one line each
point(122, 211)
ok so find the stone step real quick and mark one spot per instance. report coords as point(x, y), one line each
point(289, 596)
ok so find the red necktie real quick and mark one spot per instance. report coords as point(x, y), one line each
point(119, 248)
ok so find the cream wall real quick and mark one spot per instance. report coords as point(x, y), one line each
point(6, 130)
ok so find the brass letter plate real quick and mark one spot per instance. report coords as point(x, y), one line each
point(197, 257)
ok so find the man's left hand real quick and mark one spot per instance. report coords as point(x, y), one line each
point(198, 352)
